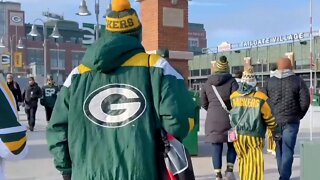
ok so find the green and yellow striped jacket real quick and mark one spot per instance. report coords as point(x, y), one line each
point(12, 135)
point(251, 113)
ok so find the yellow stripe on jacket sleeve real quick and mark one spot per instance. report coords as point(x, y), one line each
point(15, 145)
point(140, 59)
point(154, 59)
point(191, 124)
point(267, 115)
point(83, 69)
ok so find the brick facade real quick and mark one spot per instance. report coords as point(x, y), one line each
point(156, 35)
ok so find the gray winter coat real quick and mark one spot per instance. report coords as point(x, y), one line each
point(217, 122)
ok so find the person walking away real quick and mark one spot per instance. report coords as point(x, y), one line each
point(30, 97)
point(13, 140)
point(250, 116)
point(15, 89)
point(289, 100)
point(105, 120)
point(217, 121)
point(49, 96)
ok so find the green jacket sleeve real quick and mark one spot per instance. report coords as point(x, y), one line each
point(57, 133)
point(13, 140)
point(175, 105)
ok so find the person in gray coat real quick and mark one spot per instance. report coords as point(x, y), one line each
point(217, 122)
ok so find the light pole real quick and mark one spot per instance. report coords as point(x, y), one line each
point(109, 9)
point(58, 58)
point(83, 11)
point(311, 86)
point(34, 33)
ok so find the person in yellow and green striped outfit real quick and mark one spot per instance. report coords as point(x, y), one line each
point(12, 135)
point(250, 117)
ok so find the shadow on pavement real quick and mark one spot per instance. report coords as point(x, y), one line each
point(38, 152)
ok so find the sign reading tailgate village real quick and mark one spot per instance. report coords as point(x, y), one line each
point(114, 105)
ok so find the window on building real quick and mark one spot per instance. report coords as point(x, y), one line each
point(58, 76)
point(257, 67)
point(35, 58)
point(272, 66)
point(76, 58)
point(57, 59)
point(195, 72)
point(205, 72)
point(237, 68)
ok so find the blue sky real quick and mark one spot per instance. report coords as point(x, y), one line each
point(225, 20)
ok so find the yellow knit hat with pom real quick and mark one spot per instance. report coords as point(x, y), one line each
point(123, 19)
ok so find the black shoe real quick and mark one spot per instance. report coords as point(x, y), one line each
point(219, 175)
point(31, 128)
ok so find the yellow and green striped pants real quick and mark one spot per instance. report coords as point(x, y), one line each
point(250, 157)
point(271, 142)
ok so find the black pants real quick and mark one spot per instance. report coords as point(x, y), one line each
point(48, 112)
point(31, 115)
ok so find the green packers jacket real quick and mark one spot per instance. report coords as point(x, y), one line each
point(251, 113)
point(106, 115)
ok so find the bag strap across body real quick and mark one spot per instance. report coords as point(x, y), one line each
point(223, 104)
point(220, 99)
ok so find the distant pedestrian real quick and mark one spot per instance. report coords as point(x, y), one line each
point(13, 140)
point(289, 99)
point(15, 89)
point(217, 121)
point(30, 96)
point(250, 115)
point(238, 76)
point(49, 96)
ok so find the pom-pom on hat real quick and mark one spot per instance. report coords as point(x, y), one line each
point(221, 65)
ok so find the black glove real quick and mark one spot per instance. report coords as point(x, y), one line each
point(66, 177)
point(277, 133)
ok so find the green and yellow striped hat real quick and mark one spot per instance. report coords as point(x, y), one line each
point(123, 19)
point(221, 66)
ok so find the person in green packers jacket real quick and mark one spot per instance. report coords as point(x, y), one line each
point(49, 96)
point(13, 140)
point(107, 113)
point(250, 116)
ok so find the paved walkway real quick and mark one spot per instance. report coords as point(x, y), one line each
point(38, 164)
